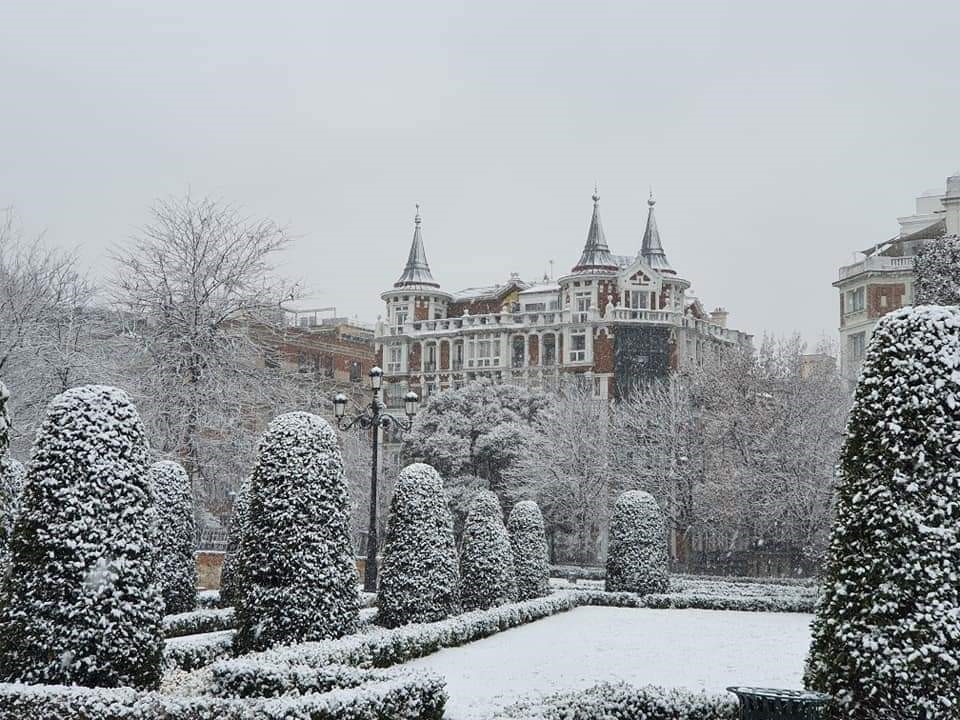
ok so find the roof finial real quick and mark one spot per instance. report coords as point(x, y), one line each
point(650, 201)
point(416, 218)
point(596, 193)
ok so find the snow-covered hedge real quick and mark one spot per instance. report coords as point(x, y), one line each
point(210, 600)
point(637, 553)
point(385, 647)
point(189, 652)
point(296, 561)
point(937, 270)
point(198, 621)
point(487, 574)
point(528, 540)
point(176, 565)
point(419, 577)
point(11, 485)
point(886, 638)
point(83, 606)
point(620, 701)
point(230, 581)
point(574, 573)
point(400, 697)
point(679, 601)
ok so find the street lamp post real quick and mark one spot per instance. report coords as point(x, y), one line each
point(374, 417)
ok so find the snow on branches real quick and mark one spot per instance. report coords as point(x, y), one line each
point(637, 554)
point(176, 565)
point(419, 579)
point(528, 541)
point(83, 606)
point(886, 637)
point(938, 272)
point(296, 562)
point(230, 581)
point(486, 561)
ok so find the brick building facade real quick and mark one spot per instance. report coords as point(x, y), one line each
point(610, 323)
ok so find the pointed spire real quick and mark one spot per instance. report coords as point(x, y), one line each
point(596, 254)
point(652, 249)
point(417, 271)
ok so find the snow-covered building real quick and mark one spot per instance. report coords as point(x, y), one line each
point(610, 322)
point(882, 278)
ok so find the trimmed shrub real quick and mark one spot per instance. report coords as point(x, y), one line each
point(487, 576)
point(230, 582)
point(83, 606)
point(531, 559)
point(938, 272)
point(419, 578)
point(637, 553)
point(886, 637)
point(11, 485)
point(198, 621)
point(296, 561)
point(176, 564)
point(189, 652)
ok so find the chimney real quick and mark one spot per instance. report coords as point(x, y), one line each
point(719, 317)
point(951, 203)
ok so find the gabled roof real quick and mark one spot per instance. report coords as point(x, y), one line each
point(417, 270)
point(596, 254)
point(652, 249)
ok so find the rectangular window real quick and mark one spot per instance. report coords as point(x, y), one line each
point(578, 347)
point(394, 359)
point(535, 307)
point(581, 310)
point(399, 319)
point(855, 300)
point(857, 346)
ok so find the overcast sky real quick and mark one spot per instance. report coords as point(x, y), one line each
point(778, 140)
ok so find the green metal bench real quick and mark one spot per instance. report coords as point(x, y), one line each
point(774, 704)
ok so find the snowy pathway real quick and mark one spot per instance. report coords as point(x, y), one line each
point(698, 649)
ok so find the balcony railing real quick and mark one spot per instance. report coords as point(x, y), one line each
point(878, 263)
point(662, 317)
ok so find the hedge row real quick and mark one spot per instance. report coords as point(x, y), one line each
point(208, 599)
point(383, 648)
point(402, 697)
point(680, 601)
point(194, 651)
point(625, 702)
point(199, 621)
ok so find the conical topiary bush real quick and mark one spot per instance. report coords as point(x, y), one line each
point(886, 636)
point(176, 563)
point(12, 474)
point(487, 576)
point(528, 541)
point(83, 605)
point(230, 581)
point(419, 578)
point(296, 562)
point(637, 551)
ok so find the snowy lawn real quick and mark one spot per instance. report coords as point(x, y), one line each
point(696, 649)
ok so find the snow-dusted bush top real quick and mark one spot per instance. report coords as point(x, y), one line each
point(637, 553)
point(296, 561)
point(176, 565)
point(938, 272)
point(487, 575)
point(886, 638)
point(530, 555)
point(11, 484)
point(419, 579)
point(230, 581)
point(83, 606)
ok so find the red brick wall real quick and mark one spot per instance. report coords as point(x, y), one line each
point(893, 293)
point(414, 359)
point(603, 352)
point(533, 349)
point(478, 307)
point(421, 311)
point(607, 288)
point(444, 355)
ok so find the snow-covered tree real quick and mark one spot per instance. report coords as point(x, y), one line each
point(938, 272)
point(11, 485)
point(487, 575)
point(886, 637)
point(637, 555)
point(297, 564)
point(82, 602)
point(529, 544)
point(231, 583)
point(419, 577)
point(176, 564)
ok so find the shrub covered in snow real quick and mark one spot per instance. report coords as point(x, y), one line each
point(83, 606)
point(189, 652)
point(11, 484)
point(637, 553)
point(886, 638)
point(176, 565)
point(419, 578)
point(938, 272)
point(198, 621)
point(487, 575)
point(230, 582)
point(531, 560)
point(620, 701)
point(296, 561)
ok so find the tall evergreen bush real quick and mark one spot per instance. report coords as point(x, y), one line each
point(637, 552)
point(531, 560)
point(487, 574)
point(176, 562)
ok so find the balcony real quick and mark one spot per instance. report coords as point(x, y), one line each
point(653, 317)
point(878, 263)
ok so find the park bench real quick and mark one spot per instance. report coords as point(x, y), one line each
point(774, 704)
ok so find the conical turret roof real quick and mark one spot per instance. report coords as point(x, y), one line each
point(652, 249)
point(417, 270)
point(596, 254)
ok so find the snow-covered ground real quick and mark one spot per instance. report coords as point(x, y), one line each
point(697, 649)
